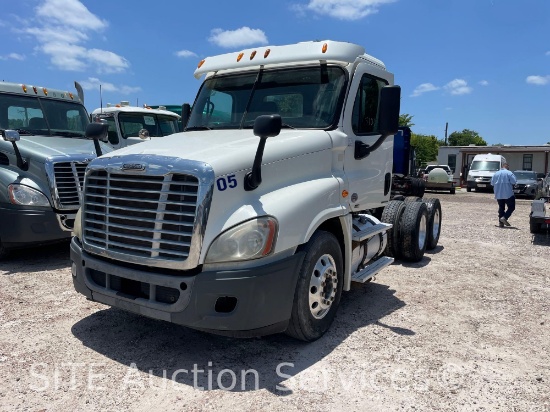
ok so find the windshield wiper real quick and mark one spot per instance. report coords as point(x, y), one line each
point(287, 126)
point(189, 129)
point(69, 134)
point(24, 132)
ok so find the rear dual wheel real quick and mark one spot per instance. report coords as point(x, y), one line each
point(413, 229)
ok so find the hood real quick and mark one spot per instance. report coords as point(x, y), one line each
point(230, 150)
point(526, 182)
point(43, 147)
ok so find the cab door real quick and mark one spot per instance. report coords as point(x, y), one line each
point(368, 178)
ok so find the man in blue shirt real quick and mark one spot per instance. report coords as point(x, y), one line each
point(503, 183)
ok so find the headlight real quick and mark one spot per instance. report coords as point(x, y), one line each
point(27, 196)
point(77, 229)
point(249, 240)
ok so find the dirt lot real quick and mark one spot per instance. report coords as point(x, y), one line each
point(465, 329)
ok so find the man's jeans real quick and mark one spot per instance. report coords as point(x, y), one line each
point(510, 203)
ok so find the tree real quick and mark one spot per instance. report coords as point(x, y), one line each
point(405, 120)
point(465, 138)
point(426, 147)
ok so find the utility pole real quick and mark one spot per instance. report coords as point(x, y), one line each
point(446, 127)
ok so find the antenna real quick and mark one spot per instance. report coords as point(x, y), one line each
point(446, 127)
point(100, 100)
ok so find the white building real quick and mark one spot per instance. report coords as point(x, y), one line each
point(459, 158)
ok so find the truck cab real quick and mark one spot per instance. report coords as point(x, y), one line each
point(43, 156)
point(278, 200)
point(129, 125)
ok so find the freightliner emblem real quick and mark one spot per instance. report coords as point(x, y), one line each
point(133, 166)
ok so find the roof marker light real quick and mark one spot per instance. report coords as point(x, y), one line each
point(240, 56)
point(70, 95)
point(35, 89)
point(267, 53)
point(200, 63)
point(252, 55)
point(324, 49)
point(24, 88)
point(45, 91)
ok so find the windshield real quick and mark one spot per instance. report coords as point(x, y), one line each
point(525, 175)
point(42, 116)
point(131, 123)
point(485, 165)
point(304, 97)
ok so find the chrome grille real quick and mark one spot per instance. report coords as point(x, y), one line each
point(145, 216)
point(69, 179)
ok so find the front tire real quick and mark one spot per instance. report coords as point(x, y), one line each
point(319, 288)
point(3, 251)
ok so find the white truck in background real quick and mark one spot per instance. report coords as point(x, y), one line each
point(129, 125)
point(279, 199)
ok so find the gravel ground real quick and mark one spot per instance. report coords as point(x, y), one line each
point(465, 329)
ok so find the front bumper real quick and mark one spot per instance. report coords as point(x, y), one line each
point(240, 302)
point(28, 227)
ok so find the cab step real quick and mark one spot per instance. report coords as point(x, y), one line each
point(372, 269)
point(371, 231)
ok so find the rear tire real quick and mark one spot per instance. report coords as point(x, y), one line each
point(319, 288)
point(535, 227)
point(434, 222)
point(3, 251)
point(392, 214)
point(453, 190)
point(413, 231)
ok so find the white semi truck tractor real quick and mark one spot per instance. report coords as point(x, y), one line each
point(258, 216)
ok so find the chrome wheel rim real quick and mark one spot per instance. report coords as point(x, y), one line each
point(422, 232)
point(436, 224)
point(323, 285)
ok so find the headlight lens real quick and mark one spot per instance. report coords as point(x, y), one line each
point(27, 196)
point(77, 229)
point(249, 240)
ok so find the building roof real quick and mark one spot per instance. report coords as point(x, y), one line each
point(498, 149)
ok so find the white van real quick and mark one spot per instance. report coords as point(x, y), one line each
point(482, 169)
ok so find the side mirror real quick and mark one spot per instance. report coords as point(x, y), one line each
point(10, 135)
point(264, 126)
point(268, 125)
point(185, 113)
point(390, 100)
point(98, 131)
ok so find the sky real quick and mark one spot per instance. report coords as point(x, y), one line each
point(482, 65)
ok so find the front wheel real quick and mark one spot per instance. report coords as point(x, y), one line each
point(3, 251)
point(319, 288)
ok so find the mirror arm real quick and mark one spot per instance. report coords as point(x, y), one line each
point(97, 147)
point(21, 163)
point(362, 150)
point(253, 179)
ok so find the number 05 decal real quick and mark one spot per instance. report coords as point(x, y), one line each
point(224, 183)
